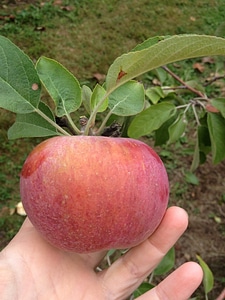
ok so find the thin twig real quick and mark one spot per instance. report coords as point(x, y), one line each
point(193, 90)
point(180, 87)
point(182, 106)
point(213, 80)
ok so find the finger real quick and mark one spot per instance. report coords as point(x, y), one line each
point(180, 285)
point(91, 259)
point(129, 271)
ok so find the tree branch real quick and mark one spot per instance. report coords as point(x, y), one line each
point(193, 90)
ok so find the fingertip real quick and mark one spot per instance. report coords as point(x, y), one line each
point(194, 271)
point(178, 215)
point(190, 275)
point(182, 283)
point(179, 211)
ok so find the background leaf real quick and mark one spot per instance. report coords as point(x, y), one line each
point(143, 288)
point(204, 138)
point(191, 178)
point(149, 42)
point(155, 94)
point(19, 83)
point(208, 279)
point(216, 125)
point(166, 264)
point(162, 134)
point(177, 128)
point(163, 52)
point(196, 157)
point(219, 103)
point(33, 125)
point(128, 99)
point(150, 119)
point(62, 86)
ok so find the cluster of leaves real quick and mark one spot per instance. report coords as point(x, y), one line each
point(120, 99)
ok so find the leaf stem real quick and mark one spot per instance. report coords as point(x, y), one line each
point(50, 121)
point(151, 277)
point(187, 108)
point(182, 106)
point(195, 113)
point(100, 129)
point(74, 127)
point(91, 120)
point(181, 87)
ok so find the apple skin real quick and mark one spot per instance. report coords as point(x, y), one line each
point(89, 193)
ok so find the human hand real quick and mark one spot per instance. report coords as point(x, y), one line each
point(30, 268)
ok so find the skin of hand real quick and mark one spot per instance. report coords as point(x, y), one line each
point(30, 268)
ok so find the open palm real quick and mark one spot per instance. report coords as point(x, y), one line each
point(30, 268)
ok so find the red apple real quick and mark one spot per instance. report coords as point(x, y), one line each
point(86, 193)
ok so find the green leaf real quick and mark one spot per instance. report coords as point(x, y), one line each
point(111, 252)
point(98, 94)
point(203, 142)
point(204, 139)
point(208, 279)
point(62, 86)
point(155, 94)
point(196, 157)
point(162, 75)
point(143, 288)
point(216, 125)
point(19, 83)
point(162, 134)
point(149, 42)
point(190, 177)
point(177, 128)
point(33, 125)
point(159, 53)
point(128, 99)
point(219, 103)
point(166, 264)
point(86, 98)
point(150, 119)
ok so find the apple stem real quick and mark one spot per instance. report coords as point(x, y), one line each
point(83, 125)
